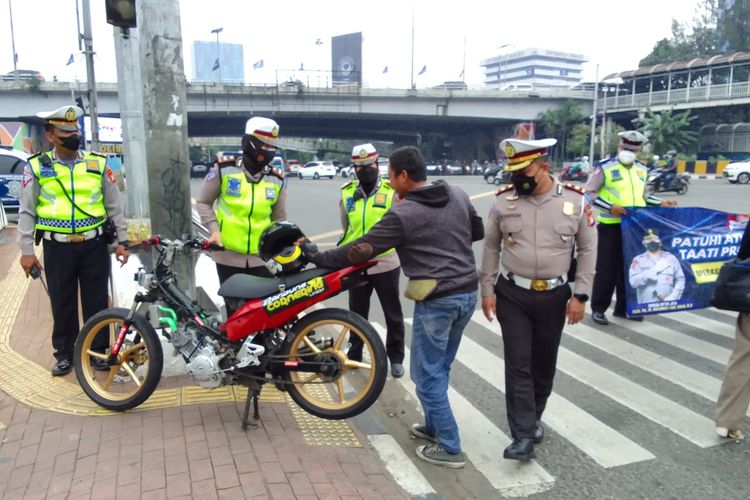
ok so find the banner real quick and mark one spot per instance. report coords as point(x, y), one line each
point(672, 256)
point(346, 59)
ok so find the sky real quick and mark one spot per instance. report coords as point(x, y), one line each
point(448, 36)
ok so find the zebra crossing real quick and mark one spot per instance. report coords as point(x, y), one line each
point(589, 434)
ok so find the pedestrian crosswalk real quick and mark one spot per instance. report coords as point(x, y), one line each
point(592, 434)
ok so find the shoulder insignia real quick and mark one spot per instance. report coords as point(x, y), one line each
point(504, 189)
point(96, 153)
point(573, 187)
point(35, 155)
point(346, 184)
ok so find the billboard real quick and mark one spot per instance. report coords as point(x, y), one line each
point(110, 129)
point(211, 63)
point(346, 59)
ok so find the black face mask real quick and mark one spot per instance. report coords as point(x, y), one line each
point(71, 142)
point(524, 184)
point(255, 159)
point(367, 175)
point(653, 246)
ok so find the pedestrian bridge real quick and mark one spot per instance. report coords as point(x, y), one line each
point(221, 109)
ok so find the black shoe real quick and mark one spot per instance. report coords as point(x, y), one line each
point(397, 370)
point(631, 318)
point(100, 365)
point(520, 449)
point(538, 432)
point(62, 367)
point(600, 318)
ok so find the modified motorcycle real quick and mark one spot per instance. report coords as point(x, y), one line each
point(679, 183)
point(270, 336)
point(573, 174)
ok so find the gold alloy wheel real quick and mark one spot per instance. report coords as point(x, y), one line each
point(124, 379)
point(359, 375)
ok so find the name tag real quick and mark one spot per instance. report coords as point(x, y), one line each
point(380, 200)
point(47, 172)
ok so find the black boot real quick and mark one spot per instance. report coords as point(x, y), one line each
point(538, 432)
point(520, 449)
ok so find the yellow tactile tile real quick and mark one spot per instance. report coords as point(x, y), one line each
point(318, 431)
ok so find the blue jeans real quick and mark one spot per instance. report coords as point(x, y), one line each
point(436, 333)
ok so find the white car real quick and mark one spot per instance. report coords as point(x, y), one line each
point(12, 163)
point(316, 170)
point(738, 172)
point(348, 172)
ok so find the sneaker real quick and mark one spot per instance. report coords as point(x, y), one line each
point(436, 455)
point(397, 370)
point(600, 318)
point(420, 432)
point(729, 433)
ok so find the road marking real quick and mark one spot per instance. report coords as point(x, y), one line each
point(482, 195)
point(675, 339)
point(603, 444)
point(401, 466)
point(323, 236)
point(708, 324)
point(483, 443)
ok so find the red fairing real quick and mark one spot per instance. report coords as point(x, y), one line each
point(280, 308)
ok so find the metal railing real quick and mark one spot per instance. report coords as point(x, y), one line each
point(735, 90)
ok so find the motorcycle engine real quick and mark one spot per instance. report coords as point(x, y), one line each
point(201, 358)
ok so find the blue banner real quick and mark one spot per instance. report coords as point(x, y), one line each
point(672, 256)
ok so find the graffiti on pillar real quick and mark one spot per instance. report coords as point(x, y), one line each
point(174, 196)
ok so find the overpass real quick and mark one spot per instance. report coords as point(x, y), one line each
point(337, 112)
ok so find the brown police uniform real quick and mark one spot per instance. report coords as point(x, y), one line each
point(538, 234)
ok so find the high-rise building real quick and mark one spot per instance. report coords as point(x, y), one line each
point(223, 62)
point(533, 67)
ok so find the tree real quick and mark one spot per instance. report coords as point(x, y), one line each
point(558, 123)
point(580, 139)
point(667, 130)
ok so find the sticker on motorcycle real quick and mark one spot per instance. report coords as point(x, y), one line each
point(280, 301)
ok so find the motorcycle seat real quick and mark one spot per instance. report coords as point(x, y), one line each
point(243, 286)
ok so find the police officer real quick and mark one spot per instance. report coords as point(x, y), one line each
point(656, 275)
point(250, 195)
point(616, 184)
point(363, 203)
point(66, 199)
point(537, 221)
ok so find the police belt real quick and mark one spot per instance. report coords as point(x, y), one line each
point(536, 285)
point(73, 238)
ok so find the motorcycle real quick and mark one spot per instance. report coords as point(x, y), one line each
point(575, 174)
point(679, 183)
point(267, 339)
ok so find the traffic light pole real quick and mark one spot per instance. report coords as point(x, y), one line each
point(88, 50)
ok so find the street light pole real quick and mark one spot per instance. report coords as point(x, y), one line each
point(13, 40)
point(593, 116)
point(89, 52)
point(218, 49)
point(412, 45)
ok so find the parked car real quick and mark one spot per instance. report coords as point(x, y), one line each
point(434, 170)
point(278, 164)
point(490, 172)
point(454, 170)
point(738, 172)
point(293, 166)
point(348, 172)
point(502, 177)
point(316, 170)
point(11, 179)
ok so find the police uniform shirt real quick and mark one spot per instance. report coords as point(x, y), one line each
point(537, 234)
point(386, 262)
point(656, 277)
point(597, 180)
point(204, 205)
point(30, 193)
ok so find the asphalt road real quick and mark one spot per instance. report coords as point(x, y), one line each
point(632, 410)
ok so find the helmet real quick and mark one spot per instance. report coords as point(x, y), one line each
point(656, 158)
point(585, 158)
point(277, 248)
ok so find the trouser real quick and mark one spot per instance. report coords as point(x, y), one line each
point(610, 276)
point(531, 324)
point(226, 272)
point(734, 396)
point(386, 286)
point(66, 265)
point(437, 328)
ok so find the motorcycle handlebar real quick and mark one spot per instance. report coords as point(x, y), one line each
point(197, 243)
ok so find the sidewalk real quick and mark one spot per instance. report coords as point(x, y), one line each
point(185, 442)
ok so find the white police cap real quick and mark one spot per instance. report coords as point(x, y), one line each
point(65, 118)
point(632, 140)
point(521, 153)
point(264, 129)
point(364, 154)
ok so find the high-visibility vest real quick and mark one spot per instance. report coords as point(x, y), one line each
point(244, 210)
point(363, 213)
point(622, 186)
point(83, 183)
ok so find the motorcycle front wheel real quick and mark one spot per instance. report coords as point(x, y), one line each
point(683, 189)
point(137, 369)
point(348, 387)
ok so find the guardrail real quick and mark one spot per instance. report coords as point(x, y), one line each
point(679, 96)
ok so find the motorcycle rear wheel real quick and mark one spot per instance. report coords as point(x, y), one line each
point(136, 373)
point(355, 385)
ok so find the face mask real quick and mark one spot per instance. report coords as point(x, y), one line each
point(653, 246)
point(367, 175)
point(626, 157)
point(524, 184)
point(254, 158)
point(71, 142)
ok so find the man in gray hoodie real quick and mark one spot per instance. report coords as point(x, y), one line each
point(432, 229)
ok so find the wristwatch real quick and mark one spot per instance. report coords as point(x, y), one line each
point(582, 297)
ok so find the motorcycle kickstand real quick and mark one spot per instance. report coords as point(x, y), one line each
point(252, 395)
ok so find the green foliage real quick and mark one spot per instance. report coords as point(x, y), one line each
point(559, 122)
point(667, 130)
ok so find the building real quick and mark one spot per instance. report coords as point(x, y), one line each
point(533, 68)
point(230, 67)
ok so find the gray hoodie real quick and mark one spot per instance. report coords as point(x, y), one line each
point(432, 229)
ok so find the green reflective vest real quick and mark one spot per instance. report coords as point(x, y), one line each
point(244, 210)
point(363, 213)
point(622, 186)
point(83, 183)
